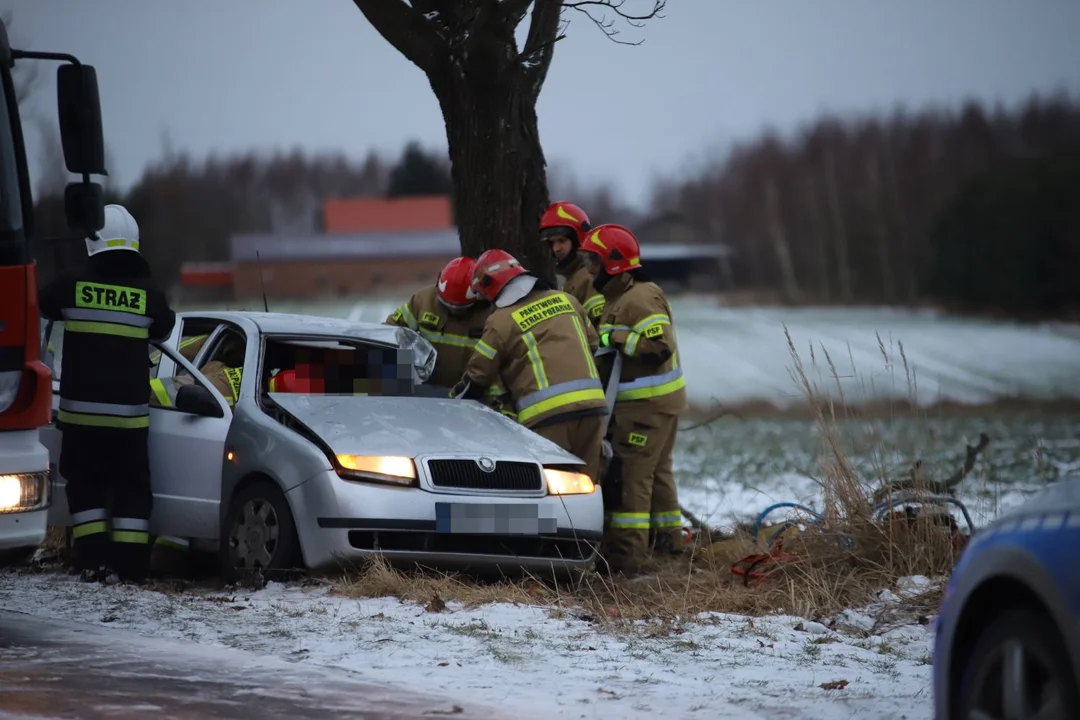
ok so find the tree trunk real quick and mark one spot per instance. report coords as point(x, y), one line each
point(884, 244)
point(497, 166)
point(843, 262)
point(818, 230)
point(777, 234)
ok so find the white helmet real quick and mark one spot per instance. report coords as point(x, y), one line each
point(120, 232)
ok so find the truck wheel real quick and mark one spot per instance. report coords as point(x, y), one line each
point(1019, 668)
point(259, 537)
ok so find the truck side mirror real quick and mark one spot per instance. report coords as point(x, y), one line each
point(80, 119)
point(84, 207)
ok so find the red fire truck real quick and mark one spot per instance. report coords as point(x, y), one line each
point(25, 382)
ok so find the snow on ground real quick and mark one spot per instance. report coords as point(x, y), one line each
point(737, 355)
point(532, 663)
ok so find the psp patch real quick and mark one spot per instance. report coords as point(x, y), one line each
point(654, 331)
point(637, 439)
point(431, 319)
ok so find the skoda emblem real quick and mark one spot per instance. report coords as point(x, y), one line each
point(486, 464)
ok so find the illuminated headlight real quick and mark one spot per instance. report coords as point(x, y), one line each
point(378, 468)
point(23, 492)
point(561, 482)
point(9, 388)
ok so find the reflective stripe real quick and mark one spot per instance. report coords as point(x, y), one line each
point(408, 316)
point(539, 374)
point(132, 537)
point(484, 349)
point(449, 339)
point(177, 543)
point(594, 306)
point(127, 423)
point(641, 329)
point(120, 523)
point(652, 386)
point(561, 400)
point(100, 328)
point(585, 346)
point(495, 390)
point(86, 516)
point(669, 519)
point(554, 391)
point(106, 316)
point(162, 393)
point(99, 408)
point(630, 521)
point(612, 328)
point(91, 528)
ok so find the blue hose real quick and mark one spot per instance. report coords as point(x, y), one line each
point(767, 511)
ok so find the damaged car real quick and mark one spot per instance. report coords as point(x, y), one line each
point(330, 448)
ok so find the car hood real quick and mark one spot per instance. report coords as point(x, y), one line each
point(411, 426)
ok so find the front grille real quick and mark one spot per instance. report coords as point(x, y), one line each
point(467, 475)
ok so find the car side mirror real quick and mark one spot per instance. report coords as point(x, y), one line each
point(197, 400)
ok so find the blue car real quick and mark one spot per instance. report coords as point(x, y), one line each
point(1008, 635)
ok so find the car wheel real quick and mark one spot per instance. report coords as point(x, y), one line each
point(1019, 669)
point(259, 534)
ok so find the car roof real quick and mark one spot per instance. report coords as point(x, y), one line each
point(305, 325)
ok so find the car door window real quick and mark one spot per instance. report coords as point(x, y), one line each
point(163, 390)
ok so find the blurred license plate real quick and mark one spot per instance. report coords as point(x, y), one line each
point(503, 519)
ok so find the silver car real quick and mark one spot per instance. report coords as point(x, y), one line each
point(281, 479)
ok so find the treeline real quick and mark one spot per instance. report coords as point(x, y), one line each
point(976, 208)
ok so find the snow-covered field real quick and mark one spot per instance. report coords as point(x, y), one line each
point(738, 355)
point(534, 662)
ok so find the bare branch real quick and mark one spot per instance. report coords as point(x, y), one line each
point(616, 9)
point(544, 32)
point(407, 29)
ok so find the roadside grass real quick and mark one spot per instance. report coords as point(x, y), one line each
point(841, 562)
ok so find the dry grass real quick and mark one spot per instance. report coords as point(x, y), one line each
point(838, 563)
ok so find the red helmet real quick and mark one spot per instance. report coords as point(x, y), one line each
point(617, 247)
point(455, 283)
point(494, 269)
point(560, 216)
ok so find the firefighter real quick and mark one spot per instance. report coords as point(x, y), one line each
point(224, 372)
point(111, 313)
point(563, 227)
point(651, 393)
point(449, 316)
point(539, 344)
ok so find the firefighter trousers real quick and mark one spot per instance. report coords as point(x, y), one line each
point(580, 436)
point(109, 497)
point(640, 488)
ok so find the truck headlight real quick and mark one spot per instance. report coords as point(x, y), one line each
point(23, 492)
point(562, 482)
point(379, 468)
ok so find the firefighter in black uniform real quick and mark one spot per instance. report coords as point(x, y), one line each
point(111, 311)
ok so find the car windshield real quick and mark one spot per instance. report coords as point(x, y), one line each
point(327, 365)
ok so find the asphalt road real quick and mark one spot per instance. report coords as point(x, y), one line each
point(52, 669)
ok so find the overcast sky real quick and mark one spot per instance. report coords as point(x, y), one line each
point(230, 75)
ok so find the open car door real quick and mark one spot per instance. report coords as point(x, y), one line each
point(186, 456)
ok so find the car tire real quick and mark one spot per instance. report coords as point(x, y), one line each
point(259, 535)
point(1030, 637)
